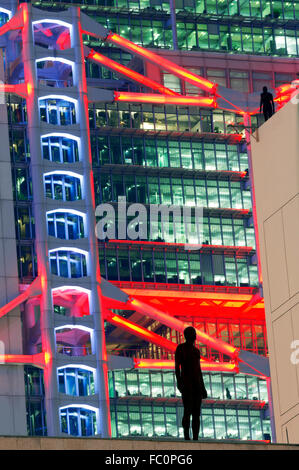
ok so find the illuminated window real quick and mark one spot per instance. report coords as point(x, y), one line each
point(65, 225)
point(57, 111)
point(51, 35)
point(75, 381)
point(67, 263)
point(78, 421)
point(4, 17)
point(60, 149)
point(73, 342)
point(62, 187)
point(54, 72)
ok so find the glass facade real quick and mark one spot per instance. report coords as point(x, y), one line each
point(163, 266)
point(276, 9)
point(63, 187)
point(65, 225)
point(57, 111)
point(146, 417)
point(249, 335)
point(67, 263)
point(77, 421)
point(75, 381)
point(171, 155)
point(148, 117)
point(203, 192)
point(165, 153)
point(59, 149)
point(35, 406)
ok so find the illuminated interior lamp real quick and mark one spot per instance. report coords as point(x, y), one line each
point(38, 360)
point(169, 364)
point(140, 331)
point(135, 76)
point(163, 63)
point(164, 99)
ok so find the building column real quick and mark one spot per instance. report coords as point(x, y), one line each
point(95, 296)
point(39, 209)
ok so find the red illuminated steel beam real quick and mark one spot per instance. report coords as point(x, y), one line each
point(16, 22)
point(131, 74)
point(20, 89)
point(164, 99)
point(38, 360)
point(140, 331)
point(206, 366)
point(163, 63)
point(33, 290)
point(179, 325)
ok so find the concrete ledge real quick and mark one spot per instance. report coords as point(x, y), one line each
point(62, 443)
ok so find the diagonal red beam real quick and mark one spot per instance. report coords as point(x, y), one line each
point(140, 331)
point(163, 63)
point(33, 290)
point(164, 99)
point(206, 366)
point(131, 74)
point(16, 22)
point(179, 325)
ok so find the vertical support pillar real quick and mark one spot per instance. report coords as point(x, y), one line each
point(94, 267)
point(39, 209)
point(247, 123)
point(12, 389)
point(173, 24)
point(271, 410)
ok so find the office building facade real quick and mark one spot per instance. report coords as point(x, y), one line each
point(79, 132)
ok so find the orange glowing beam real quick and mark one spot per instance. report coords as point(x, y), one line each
point(135, 76)
point(38, 360)
point(163, 63)
point(20, 89)
point(206, 366)
point(140, 331)
point(282, 99)
point(164, 99)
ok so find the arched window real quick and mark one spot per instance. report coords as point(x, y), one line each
point(78, 420)
point(51, 34)
point(72, 341)
point(65, 225)
point(68, 263)
point(61, 186)
point(76, 381)
point(4, 16)
point(60, 149)
point(57, 111)
point(54, 72)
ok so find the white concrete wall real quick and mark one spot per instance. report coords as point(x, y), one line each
point(275, 159)
point(12, 391)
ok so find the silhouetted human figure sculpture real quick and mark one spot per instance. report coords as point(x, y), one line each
point(190, 382)
point(267, 104)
